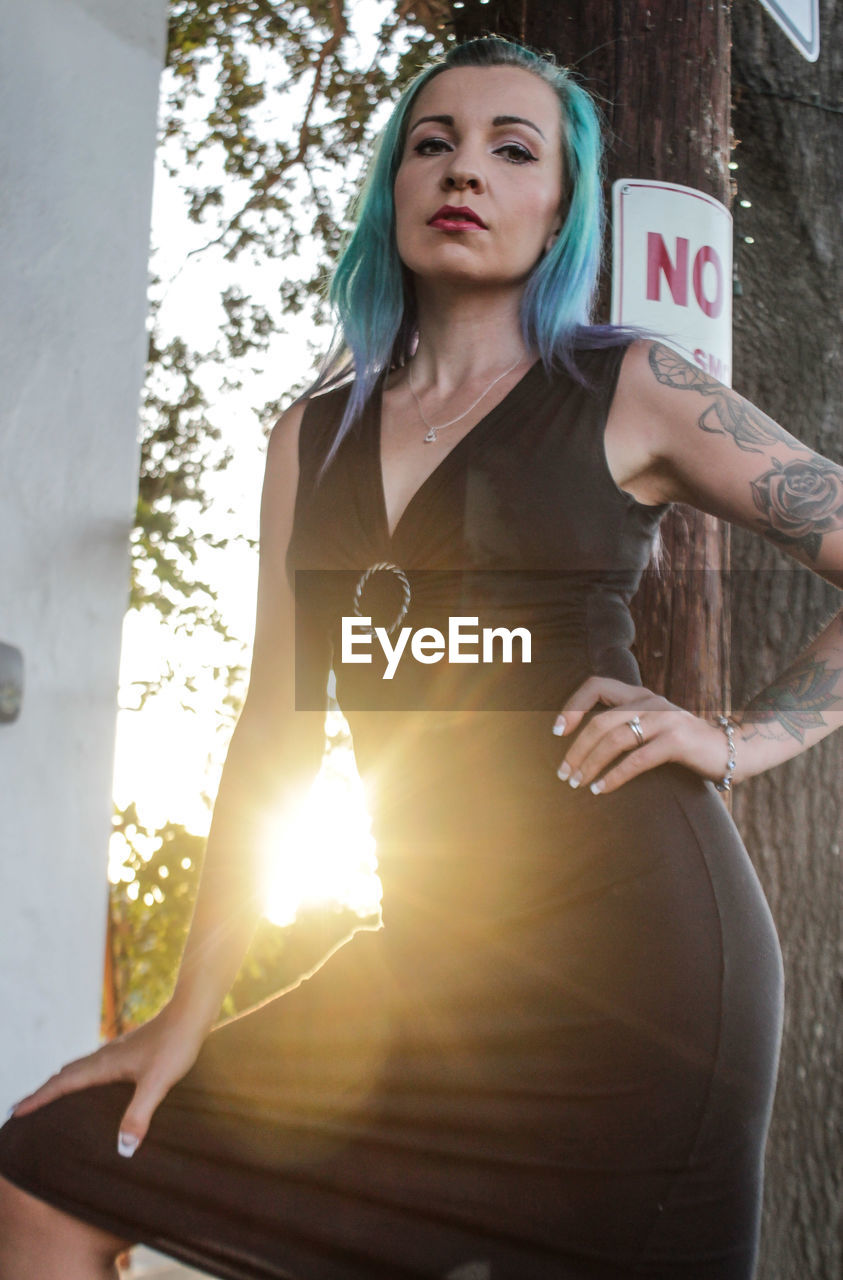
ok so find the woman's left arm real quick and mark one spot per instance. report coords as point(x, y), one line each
point(707, 446)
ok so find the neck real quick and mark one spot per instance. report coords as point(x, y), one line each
point(466, 337)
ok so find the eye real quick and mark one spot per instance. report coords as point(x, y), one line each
point(517, 153)
point(430, 146)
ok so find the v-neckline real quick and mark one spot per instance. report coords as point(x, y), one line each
point(375, 409)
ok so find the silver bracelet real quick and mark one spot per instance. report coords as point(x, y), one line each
point(725, 783)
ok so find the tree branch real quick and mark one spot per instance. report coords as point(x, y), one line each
point(269, 180)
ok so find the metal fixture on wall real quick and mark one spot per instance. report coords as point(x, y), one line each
point(11, 682)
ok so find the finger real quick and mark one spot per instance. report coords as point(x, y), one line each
point(609, 734)
point(608, 738)
point(72, 1077)
point(138, 1114)
point(654, 753)
point(592, 691)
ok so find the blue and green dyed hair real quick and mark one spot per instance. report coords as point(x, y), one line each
point(371, 290)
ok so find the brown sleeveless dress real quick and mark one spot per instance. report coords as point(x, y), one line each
point(556, 1059)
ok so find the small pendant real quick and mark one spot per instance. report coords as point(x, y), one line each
point(430, 438)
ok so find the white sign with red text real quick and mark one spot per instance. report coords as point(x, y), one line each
point(672, 269)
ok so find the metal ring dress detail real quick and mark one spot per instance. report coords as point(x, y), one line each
point(384, 566)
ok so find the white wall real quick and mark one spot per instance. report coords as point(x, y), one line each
point(78, 101)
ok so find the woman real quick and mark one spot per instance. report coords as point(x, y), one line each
point(557, 1057)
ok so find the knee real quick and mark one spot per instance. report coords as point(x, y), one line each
point(33, 1230)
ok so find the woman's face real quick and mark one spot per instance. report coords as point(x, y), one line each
point(483, 152)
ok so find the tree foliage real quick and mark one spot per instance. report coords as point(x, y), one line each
point(268, 107)
point(176, 454)
point(257, 54)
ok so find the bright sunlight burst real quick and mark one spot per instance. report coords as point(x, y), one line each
point(172, 756)
point(324, 853)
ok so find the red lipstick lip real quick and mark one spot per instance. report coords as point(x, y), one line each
point(452, 213)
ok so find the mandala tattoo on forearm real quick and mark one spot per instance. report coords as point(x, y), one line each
point(727, 413)
point(795, 702)
point(800, 501)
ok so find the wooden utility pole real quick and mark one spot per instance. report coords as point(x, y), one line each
point(660, 73)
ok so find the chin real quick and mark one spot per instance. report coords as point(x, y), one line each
point(454, 263)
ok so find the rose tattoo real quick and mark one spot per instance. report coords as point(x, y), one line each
point(801, 501)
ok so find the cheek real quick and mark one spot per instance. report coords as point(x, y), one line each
point(532, 219)
point(402, 199)
point(400, 214)
point(404, 223)
point(537, 201)
point(398, 196)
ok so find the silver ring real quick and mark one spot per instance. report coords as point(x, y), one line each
point(635, 726)
point(381, 567)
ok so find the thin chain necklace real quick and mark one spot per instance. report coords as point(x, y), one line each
point(430, 438)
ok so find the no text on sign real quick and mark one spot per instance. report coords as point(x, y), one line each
point(672, 269)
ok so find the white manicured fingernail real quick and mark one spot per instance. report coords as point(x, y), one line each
point(564, 771)
point(559, 726)
point(127, 1144)
point(597, 787)
point(575, 779)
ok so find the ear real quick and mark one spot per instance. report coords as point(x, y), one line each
point(558, 224)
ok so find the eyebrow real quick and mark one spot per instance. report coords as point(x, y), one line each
point(496, 122)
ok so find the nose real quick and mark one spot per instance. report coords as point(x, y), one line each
point(461, 174)
point(459, 180)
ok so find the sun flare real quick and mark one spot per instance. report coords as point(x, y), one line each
point(324, 852)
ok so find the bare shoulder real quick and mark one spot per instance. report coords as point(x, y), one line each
point(633, 398)
point(280, 483)
point(282, 457)
point(661, 385)
point(652, 379)
point(283, 447)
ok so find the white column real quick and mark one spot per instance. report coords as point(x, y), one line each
point(78, 100)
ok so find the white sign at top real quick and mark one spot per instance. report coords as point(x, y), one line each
point(800, 21)
point(672, 269)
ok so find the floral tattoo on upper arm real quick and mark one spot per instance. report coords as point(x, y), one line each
point(800, 501)
point(727, 413)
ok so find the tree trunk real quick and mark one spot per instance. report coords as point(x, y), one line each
point(788, 126)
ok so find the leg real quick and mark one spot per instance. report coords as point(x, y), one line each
point(38, 1242)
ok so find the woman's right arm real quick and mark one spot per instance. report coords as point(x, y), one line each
point(274, 754)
